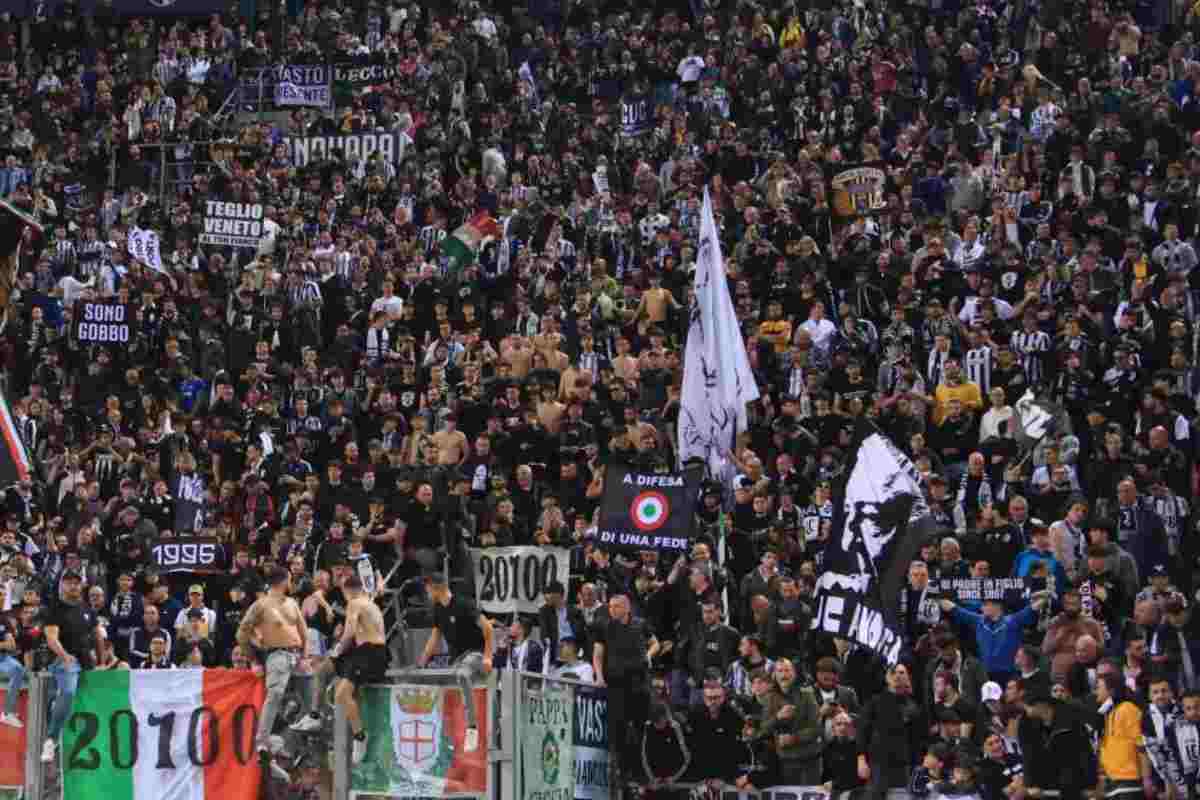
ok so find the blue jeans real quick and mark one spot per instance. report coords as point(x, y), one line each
point(15, 672)
point(66, 681)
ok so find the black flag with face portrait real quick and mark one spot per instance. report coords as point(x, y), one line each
point(879, 530)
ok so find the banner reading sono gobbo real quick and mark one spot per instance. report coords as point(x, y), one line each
point(232, 224)
point(646, 511)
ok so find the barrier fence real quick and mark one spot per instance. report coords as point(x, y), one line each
point(170, 735)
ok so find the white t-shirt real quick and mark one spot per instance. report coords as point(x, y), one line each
point(821, 331)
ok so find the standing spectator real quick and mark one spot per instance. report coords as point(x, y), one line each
point(891, 737)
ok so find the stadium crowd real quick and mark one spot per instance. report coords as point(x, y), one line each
point(341, 401)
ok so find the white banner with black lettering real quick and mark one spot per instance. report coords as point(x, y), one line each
point(509, 579)
point(144, 246)
point(305, 149)
point(232, 224)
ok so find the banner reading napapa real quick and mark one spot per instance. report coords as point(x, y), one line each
point(646, 511)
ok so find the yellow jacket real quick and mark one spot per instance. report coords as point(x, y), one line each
point(1121, 741)
point(966, 392)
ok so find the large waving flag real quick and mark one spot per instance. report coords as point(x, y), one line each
point(180, 734)
point(461, 248)
point(883, 521)
point(717, 380)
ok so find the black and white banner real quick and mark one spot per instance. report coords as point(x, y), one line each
point(187, 554)
point(359, 75)
point(591, 743)
point(512, 579)
point(646, 511)
point(882, 523)
point(232, 224)
point(304, 149)
point(102, 323)
point(304, 85)
point(1010, 591)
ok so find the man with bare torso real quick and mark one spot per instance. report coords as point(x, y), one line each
point(276, 627)
point(361, 656)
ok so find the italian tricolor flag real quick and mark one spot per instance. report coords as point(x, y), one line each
point(461, 248)
point(185, 734)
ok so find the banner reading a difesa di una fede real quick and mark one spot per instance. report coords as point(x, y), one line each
point(184, 734)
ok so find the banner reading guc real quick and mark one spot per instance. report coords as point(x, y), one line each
point(184, 734)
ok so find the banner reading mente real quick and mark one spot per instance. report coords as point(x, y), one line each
point(415, 744)
point(182, 734)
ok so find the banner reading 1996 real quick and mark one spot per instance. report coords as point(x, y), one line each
point(646, 511)
point(183, 734)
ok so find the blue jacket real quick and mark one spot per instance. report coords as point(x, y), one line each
point(1026, 559)
point(998, 641)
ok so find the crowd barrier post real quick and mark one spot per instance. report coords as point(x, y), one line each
point(38, 689)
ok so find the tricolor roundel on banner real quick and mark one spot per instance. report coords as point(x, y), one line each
point(650, 511)
point(646, 510)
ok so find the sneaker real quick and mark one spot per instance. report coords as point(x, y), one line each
point(49, 750)
point(306, 724)
point(358, 750)
point(11, 720)
point(471, 740)
point(279, 773)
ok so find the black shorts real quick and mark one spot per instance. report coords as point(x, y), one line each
point(364, 663)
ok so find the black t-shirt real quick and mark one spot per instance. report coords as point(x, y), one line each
point(625, 648)
point(459, 624)
point(76, 630)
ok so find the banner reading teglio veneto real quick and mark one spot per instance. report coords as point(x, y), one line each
point(645, 510)
point(415, 744)
point(183, 734)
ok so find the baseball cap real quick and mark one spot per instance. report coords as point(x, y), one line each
point(991, 692)
point(437, 579)
point(72, 574)
point(195, 588)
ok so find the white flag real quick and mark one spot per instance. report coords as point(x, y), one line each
point(526, 76)
point(144, 246)
point(717, 381)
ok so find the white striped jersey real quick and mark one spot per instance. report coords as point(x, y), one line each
point(1031, 348)
point(978, 364)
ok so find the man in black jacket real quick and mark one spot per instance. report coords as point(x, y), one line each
point(891, 736)
point(716, 736)
point(555, 620)
point(1059, 761)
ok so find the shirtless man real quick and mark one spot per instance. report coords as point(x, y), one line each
point(451, 443)
point(275, 625)
point(361, 656)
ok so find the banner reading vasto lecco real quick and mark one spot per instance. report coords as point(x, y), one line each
point(547, 743)
point(646, 511)
point(232, 224)
point(304, 149)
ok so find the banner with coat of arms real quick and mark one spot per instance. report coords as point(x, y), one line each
point(547, 743)
point(415, 744)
